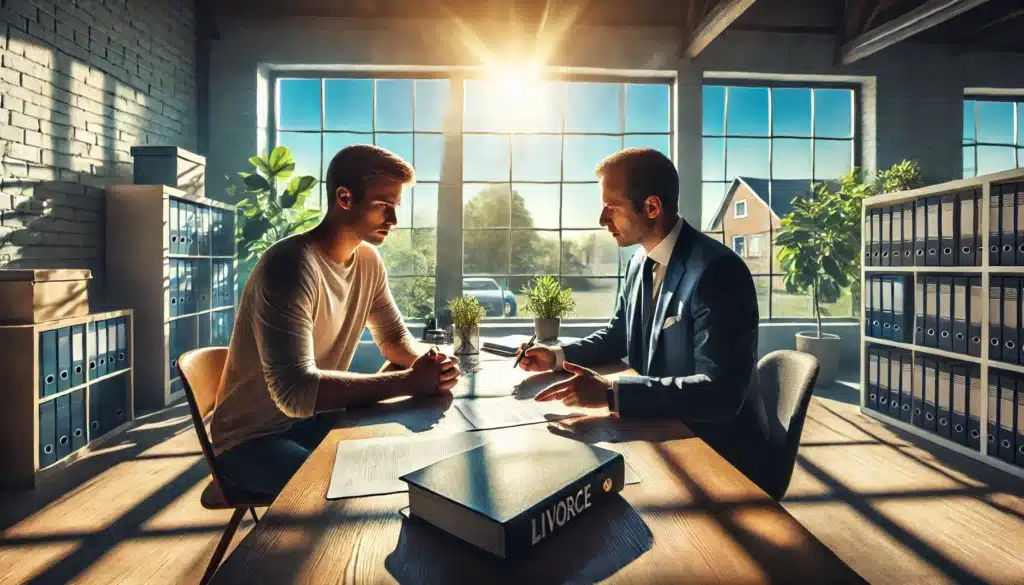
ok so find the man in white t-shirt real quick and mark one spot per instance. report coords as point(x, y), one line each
point(300, 317)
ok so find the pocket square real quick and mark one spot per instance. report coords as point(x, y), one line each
point(670, 321)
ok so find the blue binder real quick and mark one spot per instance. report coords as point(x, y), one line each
point(48, 363)
point(79, 427)
point(47, 434)
point(63, 359)
point(63, 426)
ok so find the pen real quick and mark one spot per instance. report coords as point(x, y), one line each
point(528, 345)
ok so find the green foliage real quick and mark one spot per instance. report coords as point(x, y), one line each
point(901, 176)
point(819, 242)
point(411, 252)
point(466, 311)
point(548, 300)
point(267, 215)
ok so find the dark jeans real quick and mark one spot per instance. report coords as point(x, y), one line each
point(265, 464)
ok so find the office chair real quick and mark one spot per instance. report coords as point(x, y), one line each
point(200, 371)
point(786, 378)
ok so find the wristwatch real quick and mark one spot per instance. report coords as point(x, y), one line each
point(612, 395)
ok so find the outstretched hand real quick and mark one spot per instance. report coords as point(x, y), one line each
point(585, 388)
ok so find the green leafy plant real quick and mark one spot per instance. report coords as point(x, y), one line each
point(266, 213)
point(819, 242)
point(466, 311)
point(815, 246)
point(901, 176)
point(548, 300)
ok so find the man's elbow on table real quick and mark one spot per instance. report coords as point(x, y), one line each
point(294, 392)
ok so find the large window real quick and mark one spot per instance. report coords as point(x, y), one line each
point(777, 140)
point(993, 135)
point(531, 201)
point(317, 117)
point(530, 198)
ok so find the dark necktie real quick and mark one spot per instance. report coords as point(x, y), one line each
point(647, 309)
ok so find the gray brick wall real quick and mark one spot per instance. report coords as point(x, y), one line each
point(81, 82)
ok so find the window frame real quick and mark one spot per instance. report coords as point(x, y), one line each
point(856, 130)
point(751, 253)
point(456, 78)
point(742, 241)
point(735, 210)
point(1017, 100)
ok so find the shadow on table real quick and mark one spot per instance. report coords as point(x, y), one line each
point(594, 547)
point(417, 414)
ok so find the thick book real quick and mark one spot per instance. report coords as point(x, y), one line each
point(507, 497)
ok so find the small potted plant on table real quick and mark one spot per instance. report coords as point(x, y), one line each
point(466, 314)
point(549, 302)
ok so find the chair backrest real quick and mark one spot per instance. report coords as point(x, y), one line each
point(201, 370)
point(786, 379)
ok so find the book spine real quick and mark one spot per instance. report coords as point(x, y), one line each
point(537, 524)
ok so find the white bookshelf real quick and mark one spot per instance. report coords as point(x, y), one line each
point(984, 271)
point(142, 274)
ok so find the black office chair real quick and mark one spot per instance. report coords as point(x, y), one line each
point(786, 379)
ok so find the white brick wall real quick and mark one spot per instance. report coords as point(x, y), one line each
point(81, 82)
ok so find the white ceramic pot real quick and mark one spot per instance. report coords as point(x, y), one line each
point(826, 349)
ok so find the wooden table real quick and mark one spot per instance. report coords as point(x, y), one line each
point(693, 518)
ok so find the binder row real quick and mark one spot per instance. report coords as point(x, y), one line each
point(947, 313)
point(889, 308)
point(65, 353)
point(203, 330)
point(941, 396)
point(944, 230)
point(199, 230)
point(62, 421)
point(197, 285)
point(1006, 224)
point(1004, 325)
point(1006, 416)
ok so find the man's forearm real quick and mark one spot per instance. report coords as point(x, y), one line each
point(338, 390)
point(401, 352)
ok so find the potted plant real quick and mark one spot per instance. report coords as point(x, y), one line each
point(816, 245)
point(266, 213)
point(466, 314)
point(549, 302)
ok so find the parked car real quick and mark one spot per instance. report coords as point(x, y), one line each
point(495, 298)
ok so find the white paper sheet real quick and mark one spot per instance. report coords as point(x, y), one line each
point(498, 413)
point(367, 467)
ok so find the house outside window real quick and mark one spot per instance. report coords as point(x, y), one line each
point(740, 209)
point(762, 143)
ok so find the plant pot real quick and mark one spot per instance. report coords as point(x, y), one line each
point(466, 343)
point(826, 349)
point(546, 329)
point(466, 340)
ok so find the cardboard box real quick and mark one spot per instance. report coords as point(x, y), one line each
point(171, 166)
point(34, 296)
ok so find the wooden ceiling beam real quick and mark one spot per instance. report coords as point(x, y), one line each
point(724, 13)
point(919, 19)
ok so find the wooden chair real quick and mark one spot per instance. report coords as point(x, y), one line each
point(786, 378)
point(201, 370)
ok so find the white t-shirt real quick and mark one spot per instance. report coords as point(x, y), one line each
point(300, 313)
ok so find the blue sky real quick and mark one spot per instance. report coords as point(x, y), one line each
point(781, 133)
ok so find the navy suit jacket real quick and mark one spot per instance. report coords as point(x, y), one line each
point(700, 367)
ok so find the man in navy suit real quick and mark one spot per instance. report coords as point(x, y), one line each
point(686, 317)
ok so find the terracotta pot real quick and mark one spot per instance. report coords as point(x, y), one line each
point(826, 349)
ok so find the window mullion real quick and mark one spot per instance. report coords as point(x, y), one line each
point(448, 271)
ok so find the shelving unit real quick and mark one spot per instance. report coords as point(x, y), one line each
point(68, 386)
point(985, 270)
point(171, 258)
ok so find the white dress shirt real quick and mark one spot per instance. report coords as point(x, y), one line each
point(661, 254)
